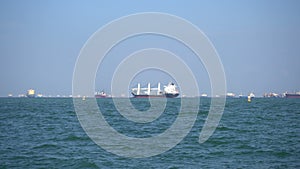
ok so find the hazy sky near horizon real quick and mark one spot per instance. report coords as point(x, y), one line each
point(257, 41)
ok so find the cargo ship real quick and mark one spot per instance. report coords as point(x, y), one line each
point(30, 93)
point(169, 91)
point(101, 94)
point(293, 95)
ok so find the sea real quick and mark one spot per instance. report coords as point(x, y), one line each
point(46, 133)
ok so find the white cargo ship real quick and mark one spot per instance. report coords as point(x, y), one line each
point(169, 91)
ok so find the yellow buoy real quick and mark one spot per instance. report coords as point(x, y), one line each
point(249, 99)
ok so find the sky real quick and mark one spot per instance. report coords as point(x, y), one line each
point(257, 42)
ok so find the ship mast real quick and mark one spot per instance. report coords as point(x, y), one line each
point(148, 88)
point(138, 89)
point(158, 89)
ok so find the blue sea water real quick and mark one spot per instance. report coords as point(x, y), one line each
point(45, 133)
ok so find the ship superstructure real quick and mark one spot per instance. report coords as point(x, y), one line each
point(30, 93)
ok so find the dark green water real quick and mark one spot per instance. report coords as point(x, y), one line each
point(45, 133)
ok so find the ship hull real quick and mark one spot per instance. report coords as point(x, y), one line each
point(100, 96)
point(171, 95)
point(30, 95)
point(292, 96)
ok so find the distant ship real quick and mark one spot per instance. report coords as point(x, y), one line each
point(204, 95)
point(242, 96)
point(292, 95)
point(30, 93)
point(101, 94)
point(170, 91)
point(230, 95)
point(271, 95)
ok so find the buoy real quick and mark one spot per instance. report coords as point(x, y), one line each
point(83, 98)
point(249, 99)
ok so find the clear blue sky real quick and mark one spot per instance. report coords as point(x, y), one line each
point(257, 41)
